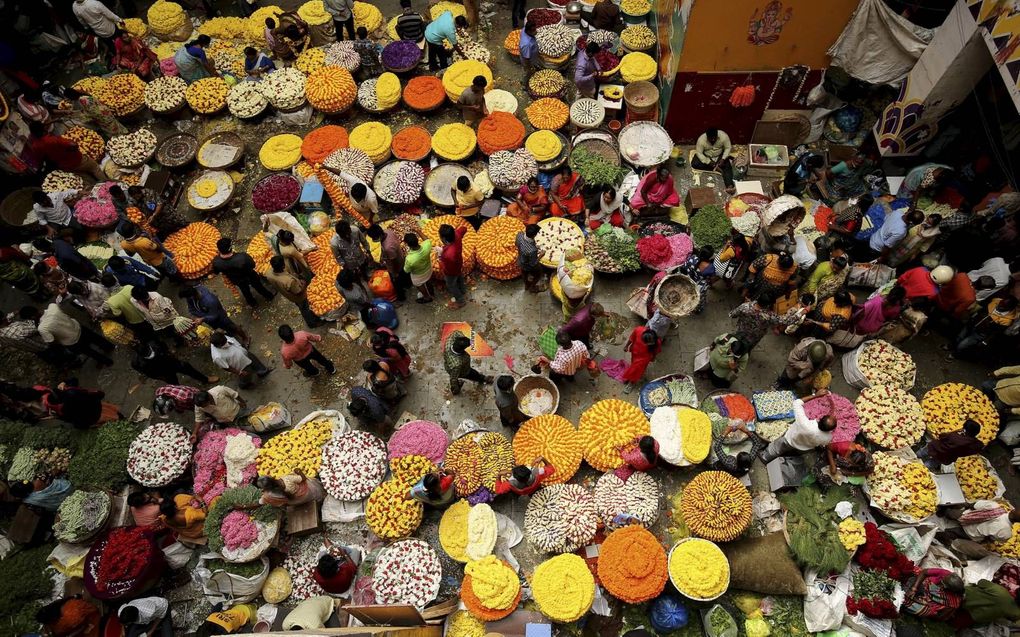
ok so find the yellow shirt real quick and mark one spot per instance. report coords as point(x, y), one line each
point(470, 202)
point(146, 248)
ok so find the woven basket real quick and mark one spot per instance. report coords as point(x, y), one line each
point(534, 381)
point(677, 296)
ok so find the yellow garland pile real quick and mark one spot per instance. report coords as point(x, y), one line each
point(208, 95)
point(699, 569)
point(389, 512)
point(280, 152)
point(225, 28)
point(166, 18)
point(976, 479)
point(1009, 548)
point(295, 449)
point(553, 438)
point(716, 506)
point(314, 13)
point(636, 67)
point(454, 142)
point(194, 248)
point(331, 89)
point(374, 139)
point(902, 489)
point(310, 60)
point(459, 75)
point(947, 406)
point(544, 145)
point(605, 427)
point(563, 587)
point(497, 248)
point(89, 85)
point(123, 94)
point(136, 27)
point(478, 461)
point(90, 143)
point(256, 23)
point(368, 16)
point(431, 231)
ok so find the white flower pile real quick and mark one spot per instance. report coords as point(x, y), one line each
point(284, 88)
point(353, 464)
point(400, 182)
point(890, 417)
point(342, 54)
point(587, 112)
point(159, 455)
point(407, 572)
point(555, 40)
point(133, 148)
point(637, 496)
point(561, 518)
point(665, 428)
point(245, 99)
point(353, 161)
point(164, 94)
point(367, 97)
point(511, 169)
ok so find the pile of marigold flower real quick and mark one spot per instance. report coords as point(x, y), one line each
point(608, 425)
point(194, 248)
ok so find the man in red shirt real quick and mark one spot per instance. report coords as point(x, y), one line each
point(956, 297)
point(526, 480)
point(922, 284)
point(298, 348)
point(334, 573)
point(61, 153)
point(452, 261)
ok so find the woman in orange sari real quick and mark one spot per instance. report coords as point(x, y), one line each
point(133, 55)
point(565, 192)
point(70, 616)
point(532, 203)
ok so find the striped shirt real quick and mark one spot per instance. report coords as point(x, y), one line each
point(527, 252)
point(149, 609)
point(411, 26)
point(568, 361)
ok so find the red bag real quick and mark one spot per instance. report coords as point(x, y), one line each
point(380, 285)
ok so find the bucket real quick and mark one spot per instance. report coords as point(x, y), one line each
point(641, 97)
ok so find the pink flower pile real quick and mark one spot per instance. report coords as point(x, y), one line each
point(419, 437)
point(239, 531)
point(95, 213)
point(210, 471)
point(847, 423)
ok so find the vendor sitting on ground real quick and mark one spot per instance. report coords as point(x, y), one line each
point(256, 64)
point(803, 435)
point(950, 447)
point(435, 488)
point(807, 359)
point(641, 454)
point(655, 194)
point(185, 515)
point(145, 509)
point(565, 193)
point(293, 489)
point(334, 569)
point(42, 493)
point(848, 458)
point(524, 480)
point(610, 211)
point(531, 204)
point(738, 465)
point(934, 593)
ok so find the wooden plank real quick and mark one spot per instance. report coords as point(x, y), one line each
point(386, 615)
point(303, 519)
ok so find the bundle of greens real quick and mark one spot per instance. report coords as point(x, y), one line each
point(710, 227)
point(595, 170)
point(811, 524)
point(24, 583)
point(247, 570)
point(102, 458)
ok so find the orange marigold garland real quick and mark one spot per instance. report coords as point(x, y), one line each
point(412, 143)
point(260, 252)
point(194, 248)
point(319, 143)
point(500, 131)
point(632, 565)
point(553, 438)
point(341, 204)
point(716, 506)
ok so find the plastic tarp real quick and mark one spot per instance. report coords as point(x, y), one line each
point(879, 46)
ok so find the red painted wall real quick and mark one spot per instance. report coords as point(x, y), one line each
point(701, 100)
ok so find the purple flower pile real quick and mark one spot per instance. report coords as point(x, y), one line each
point(401, 54)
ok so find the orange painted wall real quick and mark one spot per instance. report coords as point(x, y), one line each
point(717, 35)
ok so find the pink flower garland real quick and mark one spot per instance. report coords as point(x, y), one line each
point(238, 530)
point(419, 437)
point(847, 422)
point(95, 213)
point(210, 470)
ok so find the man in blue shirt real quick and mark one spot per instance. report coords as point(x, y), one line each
point(885, 237)
point(128, 271)
point(203, 304)
point(256, 64)
point(529, 49)
point(443, 28)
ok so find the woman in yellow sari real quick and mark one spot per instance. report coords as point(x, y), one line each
point(185, 515)
point(531, 205)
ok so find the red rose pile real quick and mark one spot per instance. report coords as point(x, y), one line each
point(275, 193)
point(880, 554)
point(124, 557)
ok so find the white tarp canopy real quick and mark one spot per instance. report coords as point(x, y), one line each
point(878, 45)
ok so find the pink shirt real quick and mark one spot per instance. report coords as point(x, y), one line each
point(299, 349)
point(145, 515)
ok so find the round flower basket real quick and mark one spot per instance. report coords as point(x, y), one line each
point(237, 532)
point(267, 533)
point(529, 387)
point(220, 150)
point(177, 150)
point(424, 83)
point(91, 510)
point(407, 572)
point(159, 455)
point(677, 296)
point(215, 201)
point(557, 161)
point(272, 193)
point(143, 551)
point(412, 59)
point(682, 586)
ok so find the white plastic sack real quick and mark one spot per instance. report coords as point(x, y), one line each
point(912, 539)
point(852, 371)
point(276, 221)
point(1010, 434)
point(224, 587)
point(334, 510)
point(869, 275)
point(985, 568)
point(340, 425)
point(508, 535)
point(269, 417)
point(878, 45)
point(300, 117)
point(825, 601)
point(804, 253)
point(177, 555)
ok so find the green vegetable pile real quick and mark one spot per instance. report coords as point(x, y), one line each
point(613, 249)
point(230, 500)
point(24, 583)
point(873, 585)
point(102, 460)
point(811, 523)
point(81, 515)
point(595, 169)
point(247, 570)
point(710, 227)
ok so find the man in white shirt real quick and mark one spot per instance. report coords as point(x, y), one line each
point(52, 210)
point(57, 328)
point(95, 16)
point(362, 198)
point(232, 356)
point(803, 435)
point(220, 405)
point(146, 616)
point(998, 270)
point(712, 152)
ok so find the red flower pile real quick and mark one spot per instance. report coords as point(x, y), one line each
point(880, 554)
point(875, 608)
point(124, 557)
point(654, 250)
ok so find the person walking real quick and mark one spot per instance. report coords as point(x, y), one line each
point(292, 288)
point(227, 353)
point(410, 25)
point(119, 305)
point(299, 348)
point(343, 17)
point(727, 358)
point(158, 310)
point(239, 269)
point(60, 330)
point(510, 414)
point(579, 327)
point(392, 258)
point(130, 272)
point(452, 262)
point(418, 264)
point(529, 258)
point(571, 355)
point(803, 435)
point(153, 359)
point(351, 249)
point(644, 345)
point(206, 307)
point(457, 362)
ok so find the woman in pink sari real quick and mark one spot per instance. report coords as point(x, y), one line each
point(878, 311)
point(654, 192)
point(644, 345)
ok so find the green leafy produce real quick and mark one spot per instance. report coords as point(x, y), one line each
point(246, 570)
point(24, 466)
point(52, 435)
point(230, 500)
point(710, 227)
point(81, 515)
point(101, 460)
point(873, 585)
point(24, 583)
point(595, 169)
point(811, 523)
point(621, 247)
point(787, 616)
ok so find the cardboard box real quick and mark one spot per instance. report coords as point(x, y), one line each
point(698, 198)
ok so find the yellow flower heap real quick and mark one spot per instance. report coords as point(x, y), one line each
point(225, 28)
point(310, 60)
point(459, 75)
point(368, 16)
point(256, 23)
point(696, 434)
point(165, 18)
point(295, 449)
point(454, 142)
point(206, 188)
point(89, 85)
point(166, 50)
point(497, 248)
point(481, 528)
point(122, 94)
point(463, 624)
point(563, 588)
point(638, 66)
point(208, 95)
point(1009, 548)
point(902, 486)
point(136, 27)
point(699, 569)
point(443, 6)
point(851, 534)
point(374, 138)
point(544, 145)
point(389, 512)
point(387, 91)
point(280, 151)
point(947, 406)
point(494, 583)
point(716, 506)
point(607, 425)
point(976, 481)
point(453, 530)
point(314, 13)
point(636, 7)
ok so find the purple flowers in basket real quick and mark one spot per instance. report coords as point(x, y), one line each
point(401, 54)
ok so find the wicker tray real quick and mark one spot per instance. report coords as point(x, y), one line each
point(225, 138)
point(534, 381)
point(223, 195)
point(176, 150)
point(650, 141)
point(599, 147)
point(673, 384)
point(677, 296)
point(440, 181)
point(16, 208)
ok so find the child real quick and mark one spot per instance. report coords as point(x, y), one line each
point(369, 52)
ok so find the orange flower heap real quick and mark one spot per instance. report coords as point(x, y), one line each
point(632, 565)
point(331, 89)
point(497, 248)
point(500, 131)
point(553, 438)
point(512, 42)
point(608, 425)
point(548, 113)
point(412, 143)
point(260, 252)
point(194, 248)
point(424, 93)
point(318, 144)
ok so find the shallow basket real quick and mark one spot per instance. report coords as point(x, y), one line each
point(177, 150)
point(669, 557)
point(535, 381)
point(677, 296)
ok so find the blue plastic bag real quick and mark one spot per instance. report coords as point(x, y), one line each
point(667, 613)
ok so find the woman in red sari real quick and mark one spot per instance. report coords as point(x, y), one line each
point(565, 192)
point(644, 345)
point(386, 345)
point(132, 55)
point(531, 205)
point(655, 192)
